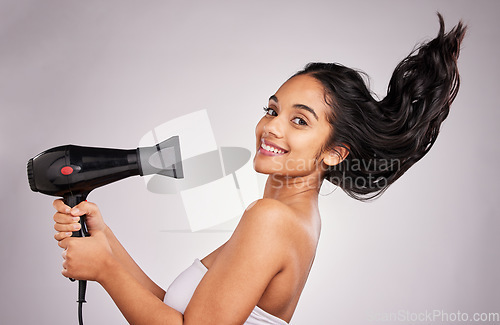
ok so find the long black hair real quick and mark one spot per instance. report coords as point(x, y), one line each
point(384, 138)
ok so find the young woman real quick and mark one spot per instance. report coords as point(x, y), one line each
point(322, 123)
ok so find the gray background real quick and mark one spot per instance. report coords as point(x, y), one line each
point(103, 73)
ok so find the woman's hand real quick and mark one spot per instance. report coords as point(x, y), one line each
point(67, 219)
point(88, 258)
point(84, 258)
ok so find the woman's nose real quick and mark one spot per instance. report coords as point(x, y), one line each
point(274, 127)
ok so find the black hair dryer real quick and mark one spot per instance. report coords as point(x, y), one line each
point(71, 172)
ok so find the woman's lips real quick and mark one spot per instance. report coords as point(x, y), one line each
point(270, 149)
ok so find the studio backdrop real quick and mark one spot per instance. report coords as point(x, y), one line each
point(122, 74)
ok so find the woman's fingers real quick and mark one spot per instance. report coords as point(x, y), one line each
point(85, 207)
point(65, 218)
point(67, 227)
point(64, 271)
point(62, 235)
point(77, 211)
point(60, 206)
point(64, 244)
point(65, 224)
point(95, 221)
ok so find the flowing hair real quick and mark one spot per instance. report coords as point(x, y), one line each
point(384, 138)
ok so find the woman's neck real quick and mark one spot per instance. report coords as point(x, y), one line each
point(299, 193)
point(292, 189)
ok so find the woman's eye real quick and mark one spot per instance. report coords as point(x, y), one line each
point(299, 121)
point(270, 111)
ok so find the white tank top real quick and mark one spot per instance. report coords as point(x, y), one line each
point(182, 289)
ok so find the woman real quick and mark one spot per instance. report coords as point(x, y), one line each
point(322, 123)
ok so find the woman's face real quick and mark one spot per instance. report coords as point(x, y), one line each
point(294, 129)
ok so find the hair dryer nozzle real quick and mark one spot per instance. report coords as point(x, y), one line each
point(163, 159)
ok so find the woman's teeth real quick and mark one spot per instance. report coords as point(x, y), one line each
point(271, 149)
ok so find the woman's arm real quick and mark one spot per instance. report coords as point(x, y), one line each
point(66, 219)
point(257, 251)
point(227, 294)
point(138, 304)
point(131, 266)
point(92, 258)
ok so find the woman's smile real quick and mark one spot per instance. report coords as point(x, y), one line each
point(270, 149)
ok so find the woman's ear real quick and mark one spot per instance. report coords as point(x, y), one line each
point(335, 156)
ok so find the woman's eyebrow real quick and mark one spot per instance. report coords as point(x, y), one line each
point(298, 106)
point(307, 108)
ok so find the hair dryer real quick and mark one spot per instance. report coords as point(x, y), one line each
point(72, 172)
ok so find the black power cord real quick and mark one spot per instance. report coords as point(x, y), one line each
point(82, 288)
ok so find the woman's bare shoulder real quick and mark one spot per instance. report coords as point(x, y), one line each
point(272, 218)
point(269, 212)
point(263, 226)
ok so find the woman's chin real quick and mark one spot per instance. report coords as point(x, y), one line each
point(260, 169)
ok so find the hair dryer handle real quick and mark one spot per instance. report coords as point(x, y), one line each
point(71, 201)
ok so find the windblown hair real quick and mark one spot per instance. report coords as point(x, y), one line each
point(384, 138)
